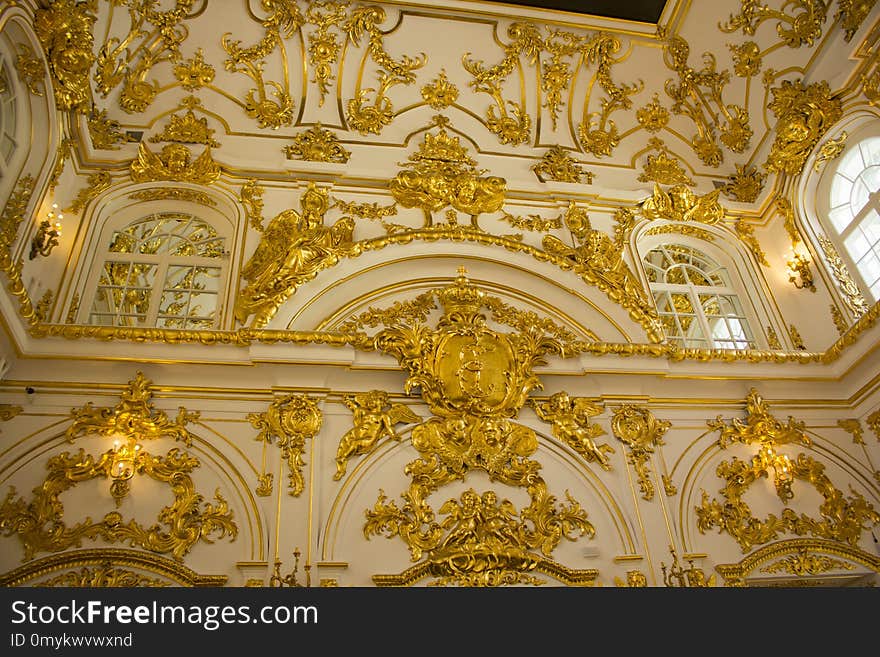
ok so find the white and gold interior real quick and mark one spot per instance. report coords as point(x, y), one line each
point(393, 294)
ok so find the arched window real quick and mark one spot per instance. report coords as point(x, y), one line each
point(8, 116)
point(696, 300)
point(163, 270)
point(854, 210)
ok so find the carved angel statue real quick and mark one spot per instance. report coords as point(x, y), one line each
point(294, 248)
point(175, 163)
point(374, 417)
point(570, 418)
point(596, 253)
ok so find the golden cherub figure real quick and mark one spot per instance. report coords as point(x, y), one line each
point(374, 417)
point(174, 162)
point(570, 417)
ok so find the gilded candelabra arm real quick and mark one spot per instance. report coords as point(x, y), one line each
point(290, 579)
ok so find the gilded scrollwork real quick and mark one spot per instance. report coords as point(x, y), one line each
point(805, 563)
point(804, 113)
point(39, 526)
point(251, 197)
point(830, 150)
point(30, 69)
point(653, 117)
point(558, 164)
point(293, 248)
point(153, 36)
point(474, 380)
point(802, 26)
point(745, 184)
point(570, 420)
point(96, 184)
point(364, 116)
point(374, 418)
point(194, 73)
point(134, 416)
point(841, 518)
point(639, 430)
point(746, 234)
point(323, 46)
point(317, 144)
point(663, 167)
point(679, 203)
point(440, 93)
point(852, 296)
point(442, 174)
point(175, 163)
point(105, 575)
point(64, 29)
point(186, 129)
point(693, 96)
point(105, 132)
point(873, 421)
point(747, 58)
point(283, 21)
point(289, 421)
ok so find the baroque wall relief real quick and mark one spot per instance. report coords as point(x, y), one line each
point(158, 488)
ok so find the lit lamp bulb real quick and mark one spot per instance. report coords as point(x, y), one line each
point(122, 468)
point(48, 233)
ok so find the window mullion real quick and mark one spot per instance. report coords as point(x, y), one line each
point(700, 315)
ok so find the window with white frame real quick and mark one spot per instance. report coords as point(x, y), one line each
point(697, 303)
point(854, 211)
point(163, 270)
point(8, 102)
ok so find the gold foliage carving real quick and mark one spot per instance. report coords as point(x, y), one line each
point(187, 129)
point(440, 93)
point(323, 46)
point(533, 222)
point(104, 132)
point(9, 411)
point(104, 576)
point(251, 197)
point(374, 418)
point(283, 20)
point(64, 29)
point(637, 428)
point(558, 164)
point(96, 183)
point(290, 421)
point(796, 338)
point(174, 194)
point(134, 416)
point(174, 163)
point(682, 229)
point(653, 117)
point(842, 519)
point(664, 167)
point(801, 557)
point(874, 422)
point(852, 296)
point(746, 234)
point(30, 69)
point(40, 527)
point(804, 563)
point(442, 174)
point(317, 144)
point(804, 113)
point(802, 26)
point(294, 247)
point(746, 58)
point(698, 95)
point(103, 567)
point(853, 427)
point(745, 185)
point(14, 211)
point(679, 203)
point(830, 150)
point(194, 73)
point(570, 419)
point(789, 222)
point(851, 14)
point(474, 379)
point(363, 116)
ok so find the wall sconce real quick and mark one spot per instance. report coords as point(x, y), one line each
point(781, 465)
point(278, 580)
point(799, 271)
point(48, 233)
point(122, 468)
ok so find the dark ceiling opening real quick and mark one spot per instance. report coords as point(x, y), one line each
point(645, 11)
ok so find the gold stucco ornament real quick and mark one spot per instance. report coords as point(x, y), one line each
point(294, 247)
point(474, 380)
